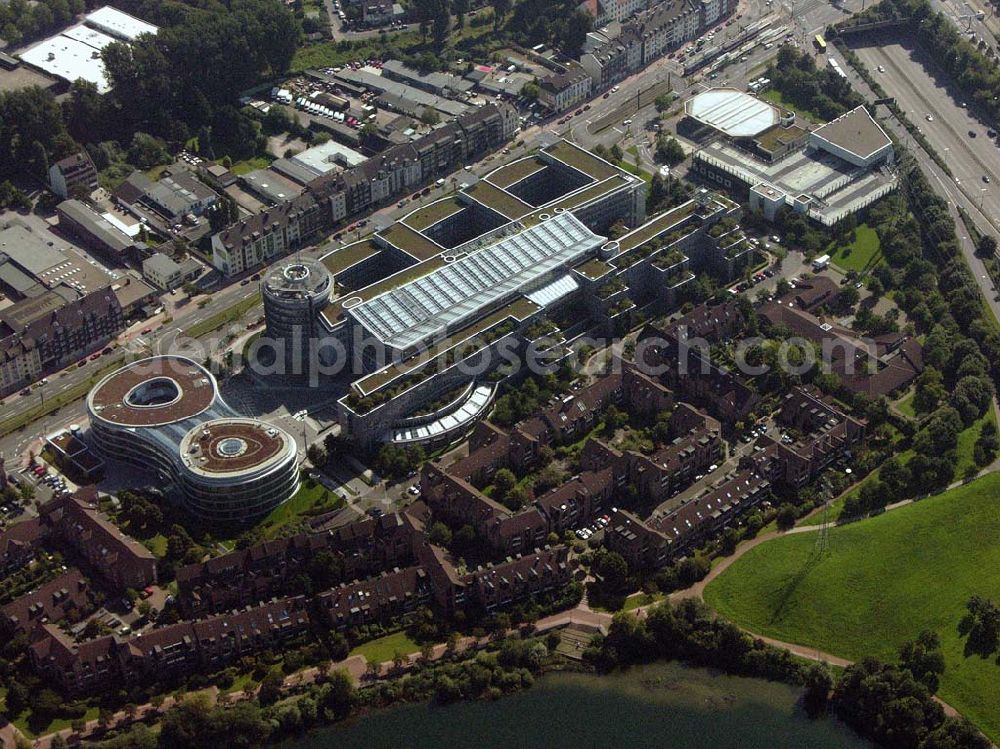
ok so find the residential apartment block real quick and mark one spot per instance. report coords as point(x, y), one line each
point(122, 561)
point(74, 176)
point(330, 198)
point(46, 332)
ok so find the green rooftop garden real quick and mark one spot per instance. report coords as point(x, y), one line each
point(342, 259)
point(500, 201)
point(514, 172)
point(430, 214)
point(413, 242)
point(657, 226)
point(610, 288)
point(582, 160)
point(593, 268)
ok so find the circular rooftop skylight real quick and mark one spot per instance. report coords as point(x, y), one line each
point(231, 447)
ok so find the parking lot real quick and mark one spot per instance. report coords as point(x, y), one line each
point(933, 104)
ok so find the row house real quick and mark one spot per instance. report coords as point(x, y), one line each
point(690, 372)
point(458, 502)
point(698, 518)
point(259, 572)
point(330, 198)
point(50, 330)
point(494, 586)
point(697, 444)
point(65, 597)
point(711, 322)
point(377, 600)
point(498, 585)
point(174, 650)
point(642, 547)
point(577, 413)
point(518, 532)
point(666, 27)
point(647, 36)
point(807, 410)
point(576, 502)
point(19, 543)
point(119, 559)
point(273, 232)
point(565, 89)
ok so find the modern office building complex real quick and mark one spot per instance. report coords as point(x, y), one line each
point(427, 310)
point(165, 414)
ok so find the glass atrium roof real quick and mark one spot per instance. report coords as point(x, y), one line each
point(467, 288)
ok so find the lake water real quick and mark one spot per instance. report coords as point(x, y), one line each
point(660, 705)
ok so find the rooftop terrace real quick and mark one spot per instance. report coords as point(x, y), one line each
point(152, 392)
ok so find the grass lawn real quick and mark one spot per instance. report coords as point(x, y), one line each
point(774, 96)
point(220, 318)
point(385, 648)
point(629, 166)
point(905, 405)
point(883, 581)
point(308, 500)
point(157, 544)
point(58, 724)
point(248, 165)
point(862, 254)
point(636, 600)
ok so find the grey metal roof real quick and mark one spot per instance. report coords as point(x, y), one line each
point(432, 304)
point(31, 252)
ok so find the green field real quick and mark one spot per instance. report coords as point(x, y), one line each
point(249, 165)
point(386, 648)
point(883, 581)
point(861, 255)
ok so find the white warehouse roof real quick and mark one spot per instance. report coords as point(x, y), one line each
point(69, 59)
point(76, 52)
point(732, 112)
point(115, 22)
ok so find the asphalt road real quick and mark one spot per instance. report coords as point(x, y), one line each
point(979, 205)
point(956, 133)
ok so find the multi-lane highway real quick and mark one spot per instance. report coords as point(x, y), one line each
point(968, 158)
